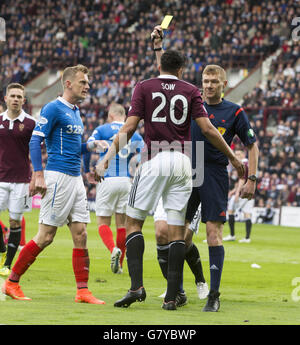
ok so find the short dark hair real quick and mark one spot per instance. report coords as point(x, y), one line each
point(172, 60)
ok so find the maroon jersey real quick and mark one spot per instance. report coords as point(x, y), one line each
point(14, 148)
point(167, 105)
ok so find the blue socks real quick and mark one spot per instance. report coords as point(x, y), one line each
point(216, 259)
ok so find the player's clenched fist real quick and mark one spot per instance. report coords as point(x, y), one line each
point(101, 168)
point(248, 190)
point(157, 35)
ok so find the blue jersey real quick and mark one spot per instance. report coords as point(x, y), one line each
point(61, 126)
point(230, 120)
point(119, 164)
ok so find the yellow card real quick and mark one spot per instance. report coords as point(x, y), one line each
point(166, 22)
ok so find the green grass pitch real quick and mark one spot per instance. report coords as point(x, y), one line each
point(249, 296)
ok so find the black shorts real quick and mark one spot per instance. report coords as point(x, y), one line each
point(213, 195)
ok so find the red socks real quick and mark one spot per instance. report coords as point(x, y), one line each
point(26, 258)
point(28, 254)
point(107, 237)
point(2, 225)
point(81, 264)
point(121, 240)
point(23, 239)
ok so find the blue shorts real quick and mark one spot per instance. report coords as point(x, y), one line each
point(213, 195)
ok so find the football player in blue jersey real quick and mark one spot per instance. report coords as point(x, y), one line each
point(112, 193)
point(63, 193)
point(230, 119)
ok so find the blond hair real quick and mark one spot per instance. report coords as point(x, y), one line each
point(215, 69)
point(117, 109)
point(15, 86)
point(69, 73)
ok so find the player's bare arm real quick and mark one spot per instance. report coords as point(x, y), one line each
point(32, 181)
point(157, 38)
point(32, 190)
point(237, 193)
point(213, 135)
point(121, 139)
point(231, 192)
point(248, 189)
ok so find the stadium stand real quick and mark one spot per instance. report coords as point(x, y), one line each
point(275, 113)
point(111, 37)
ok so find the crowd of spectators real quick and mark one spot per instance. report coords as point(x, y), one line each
point(284, 76)
point(275, 115)
point(111, 37)
point(281, 90)
point(279, 164)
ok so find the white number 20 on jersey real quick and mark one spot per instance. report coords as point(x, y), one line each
point(173, 101)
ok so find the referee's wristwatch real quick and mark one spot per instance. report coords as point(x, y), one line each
point(252, 178)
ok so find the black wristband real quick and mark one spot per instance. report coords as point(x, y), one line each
point(252, 178)
point(157, 49)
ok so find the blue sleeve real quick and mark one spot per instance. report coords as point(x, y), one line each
point(86, 162)
point(84, 149)
point(36, 152)
point(243, 128)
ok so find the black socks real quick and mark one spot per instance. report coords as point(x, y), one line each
point(175, 269)
point(163, 257)
point(12, 245)
point(248, 228)
point(135, 246)
point(192, 257)
point(231, 224)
